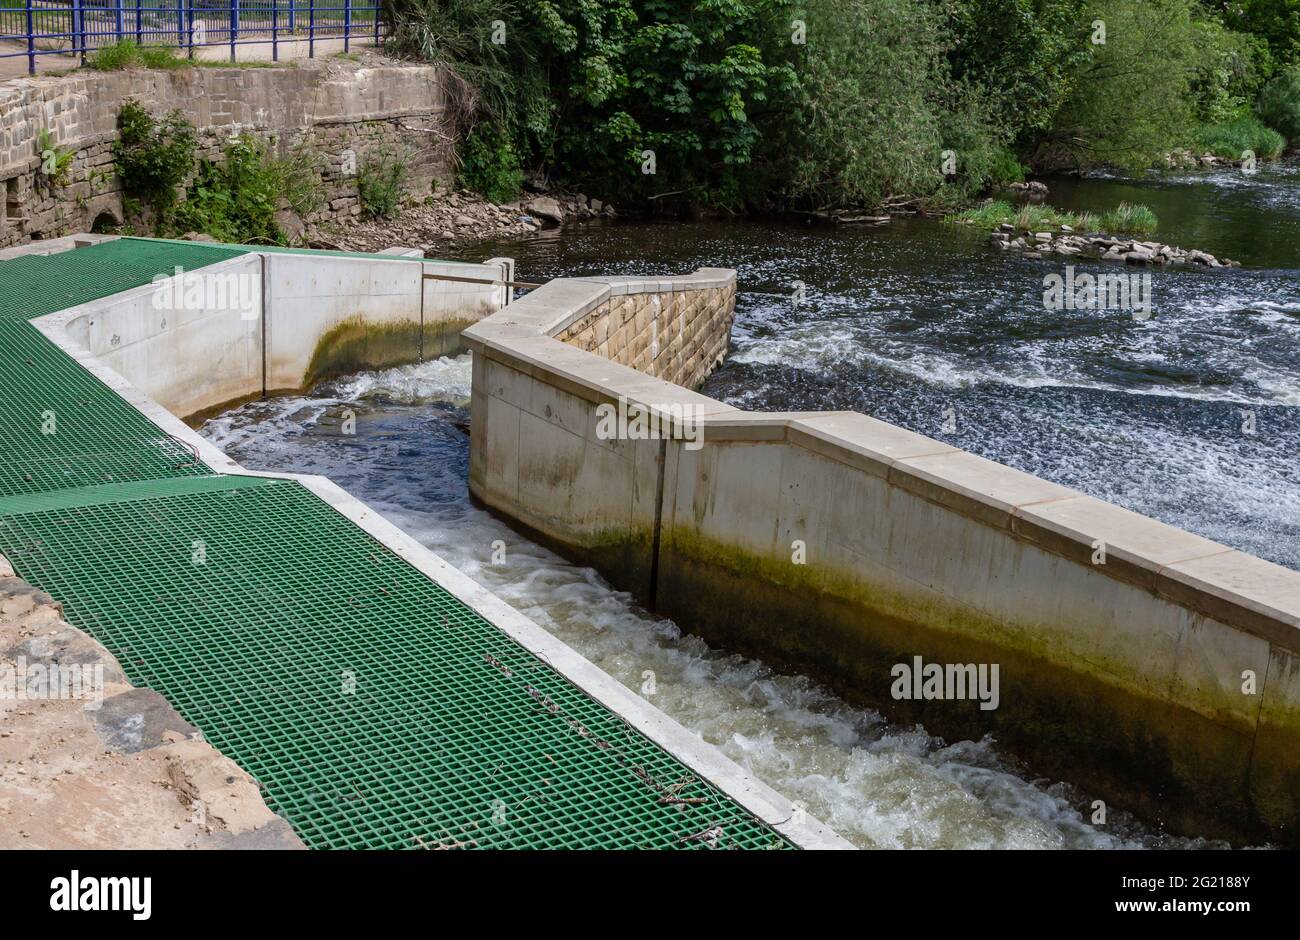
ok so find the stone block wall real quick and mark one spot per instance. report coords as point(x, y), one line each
point(343, 113)
point(676, 335)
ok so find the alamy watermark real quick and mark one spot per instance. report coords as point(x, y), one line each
point(679, 421)
point(213, 291)
point(41, 682)
point(1110, 291)
point(922, 681)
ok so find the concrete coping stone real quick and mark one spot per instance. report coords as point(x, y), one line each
point(1239, 589)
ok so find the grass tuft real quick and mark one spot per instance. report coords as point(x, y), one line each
point(1126, 220)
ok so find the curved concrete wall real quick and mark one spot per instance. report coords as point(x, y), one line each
point(271, 321)
point(1158, 668)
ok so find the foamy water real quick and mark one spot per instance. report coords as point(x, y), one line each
point(877, 785)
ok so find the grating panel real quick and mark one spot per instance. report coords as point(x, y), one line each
point(59, 425)
point(376, 709)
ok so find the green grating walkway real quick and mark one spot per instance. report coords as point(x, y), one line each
point(376, 710)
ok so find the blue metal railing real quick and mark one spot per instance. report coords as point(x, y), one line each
point(34, 28)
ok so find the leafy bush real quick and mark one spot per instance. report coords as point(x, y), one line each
point(236, 200)
point(1231, 139)
point(153, 157)
point(127, 54)
point(490, 164)
point(1279, 104)
point(380, 184)
point(56, 161)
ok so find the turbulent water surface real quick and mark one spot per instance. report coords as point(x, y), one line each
point(926, 327)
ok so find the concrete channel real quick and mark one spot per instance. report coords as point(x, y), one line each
point(378, 697)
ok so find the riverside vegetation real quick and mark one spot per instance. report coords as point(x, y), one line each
point(815, 104)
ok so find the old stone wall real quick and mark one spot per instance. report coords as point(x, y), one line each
point(344, 113)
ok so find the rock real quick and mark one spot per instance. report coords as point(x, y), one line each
point(546, 208)
point(465, 221)
point(197, 237)
point(292, 225)
point(597, 205)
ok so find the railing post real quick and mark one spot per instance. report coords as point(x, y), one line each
point(375, 10)
point(291, 2)
point(79, 29)
point(117, 21)
point(189, 28)
point(311, 29)
point(139, 23)
point(347, 23)
point(234, 27)
point(275, 27)
point(31, 40)
point(180, 24)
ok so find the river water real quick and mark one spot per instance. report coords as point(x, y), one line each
point(1192, 417)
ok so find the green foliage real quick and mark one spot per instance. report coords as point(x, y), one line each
point(1024, 53)
point(490, 164)
point(1276, 22)
point(1279, 104)
point(127, 54)
point(380, 183)
point(835, 102)
point(236, 200)
point(153, 157)
point(56, 161)
point(1231, 139)
point(1131, 103)
point(1127, 219)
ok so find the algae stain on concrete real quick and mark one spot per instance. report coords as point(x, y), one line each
point(354, 345)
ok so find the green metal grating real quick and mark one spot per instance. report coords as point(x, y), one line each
point(376, 710)
point(59, 425)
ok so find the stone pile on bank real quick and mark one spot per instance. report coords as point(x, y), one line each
point(456, 217)
point(1066, 244)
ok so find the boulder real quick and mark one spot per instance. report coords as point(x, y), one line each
point(546, 208)
point(293, 227)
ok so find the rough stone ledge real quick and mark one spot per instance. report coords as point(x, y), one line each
point(130, 773)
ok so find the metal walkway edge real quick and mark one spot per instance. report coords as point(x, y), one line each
point(376, 709)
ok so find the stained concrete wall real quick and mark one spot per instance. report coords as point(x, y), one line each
point(1157, 668)
point(270, 321)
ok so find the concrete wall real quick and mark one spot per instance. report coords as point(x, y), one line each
point(444, 303)
point(330, 107)
point(1156, 668)
point(270, 321)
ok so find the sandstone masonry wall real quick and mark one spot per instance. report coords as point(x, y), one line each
point(679, 335)
point(329, 106)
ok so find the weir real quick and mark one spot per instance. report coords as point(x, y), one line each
point(1158, 669)
point(381, 698)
